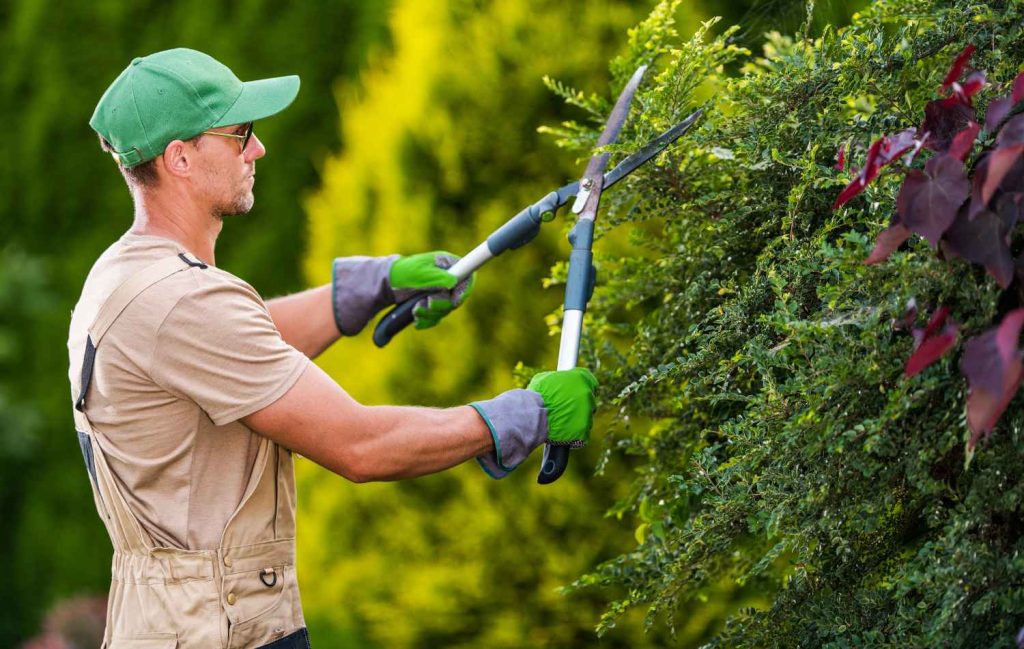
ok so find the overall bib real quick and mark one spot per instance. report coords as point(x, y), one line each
point(242, 594)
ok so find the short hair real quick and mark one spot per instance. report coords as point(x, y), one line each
point(144, 174)
point(141, 175)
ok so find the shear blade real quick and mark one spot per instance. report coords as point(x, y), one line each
point(581, 200)
point(614, 124)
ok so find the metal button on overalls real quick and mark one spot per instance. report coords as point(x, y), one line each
point(166, 598)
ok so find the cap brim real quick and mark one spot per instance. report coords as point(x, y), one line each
point(261, 99)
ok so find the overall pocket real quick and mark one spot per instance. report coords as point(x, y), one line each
point(253, 593)
point(266, 606)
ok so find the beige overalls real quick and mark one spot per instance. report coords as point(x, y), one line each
point(243, 594)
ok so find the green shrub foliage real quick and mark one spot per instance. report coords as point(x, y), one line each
point(756, 364)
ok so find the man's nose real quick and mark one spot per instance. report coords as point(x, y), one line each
point(255, 149)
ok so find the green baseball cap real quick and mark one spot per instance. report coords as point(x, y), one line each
point(176, 95)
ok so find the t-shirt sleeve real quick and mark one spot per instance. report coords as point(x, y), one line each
point(219, 347)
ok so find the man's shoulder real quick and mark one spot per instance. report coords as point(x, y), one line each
point(203, 299)
point(202, 295)
point(198, 289)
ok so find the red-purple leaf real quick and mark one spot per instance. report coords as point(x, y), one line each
point(999, 164)
point(908, 158)
point(996, 113)
point(887, 242)
point(855, 187)
point(993, 368)
point(1011, 209)
point(1008, 336)
point(982, 364)
point(841, 159)
point(972, 86)
point(891, 147)
point(1012, 132)
point(931, 343)
point(894, 146)
point(929, 199)
point(977, 206)
point(930, 350)
point(985, 240)
point(873, 161)
point(963, 141)
point(881, 152)
point(984, 408)
point(1017, 94)
point(958, 67)
point(1002, 169)
point(1012, 182)
point(944, 118)
point(937, 320)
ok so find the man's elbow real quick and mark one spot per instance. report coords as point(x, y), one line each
point(355, 465)
point(356, 475)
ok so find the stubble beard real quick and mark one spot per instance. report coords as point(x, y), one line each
point(241, 204)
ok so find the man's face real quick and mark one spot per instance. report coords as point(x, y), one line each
point(226, 172)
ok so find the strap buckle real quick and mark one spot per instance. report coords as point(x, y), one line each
point(272, 574)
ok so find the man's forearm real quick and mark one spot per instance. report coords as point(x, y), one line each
point(306, 320)
point(413, 441)
point(319, 420)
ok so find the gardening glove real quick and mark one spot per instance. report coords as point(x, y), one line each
point(426, 272)
point(362, 286)
point(556, 408)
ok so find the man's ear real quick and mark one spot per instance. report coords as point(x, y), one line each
point(177, 159)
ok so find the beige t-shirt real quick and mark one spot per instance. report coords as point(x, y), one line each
point(182, 364)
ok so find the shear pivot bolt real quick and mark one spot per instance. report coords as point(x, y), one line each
point(587, 183)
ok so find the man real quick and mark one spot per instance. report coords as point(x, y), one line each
point(191, 393)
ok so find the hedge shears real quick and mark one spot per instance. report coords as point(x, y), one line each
point(524, 227)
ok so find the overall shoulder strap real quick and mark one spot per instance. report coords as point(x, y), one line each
point(131, 288)
point(126, 532)
point(118, 301)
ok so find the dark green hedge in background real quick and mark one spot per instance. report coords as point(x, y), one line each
point(64, 203)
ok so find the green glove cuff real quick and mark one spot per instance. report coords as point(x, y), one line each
point(569, 398)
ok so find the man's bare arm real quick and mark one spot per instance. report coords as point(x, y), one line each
point(319, 420)
point(306, 320)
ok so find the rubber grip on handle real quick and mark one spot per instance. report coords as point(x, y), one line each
point(394, 321)
point(556, 458)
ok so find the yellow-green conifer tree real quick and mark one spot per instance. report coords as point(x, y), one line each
point(439, 148)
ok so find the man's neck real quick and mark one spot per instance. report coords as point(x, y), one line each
point(195, 230)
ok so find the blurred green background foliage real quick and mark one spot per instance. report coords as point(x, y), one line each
point(64, 203)
point(759, 475)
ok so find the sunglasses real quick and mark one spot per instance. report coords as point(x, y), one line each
point(245, 136)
